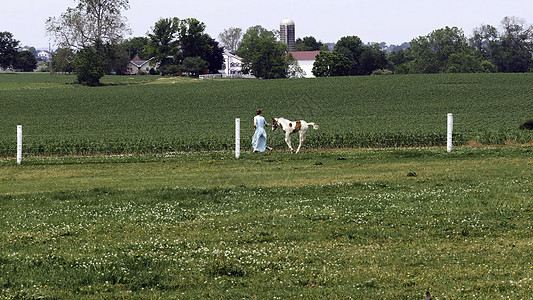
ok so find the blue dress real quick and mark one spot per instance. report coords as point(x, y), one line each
point(259, 140)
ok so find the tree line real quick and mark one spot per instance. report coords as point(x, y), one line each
point(445, 50)
point(90, 39)
point(91, 44)
point(10, 57)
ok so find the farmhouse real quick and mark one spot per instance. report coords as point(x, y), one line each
point(232, 65)
point(138, 66)
point(305, 59)
point(43, 55)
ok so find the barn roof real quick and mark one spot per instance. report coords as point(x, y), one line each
point(304, 55)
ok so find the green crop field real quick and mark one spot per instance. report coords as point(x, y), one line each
point(350, 224)
point(150, 114)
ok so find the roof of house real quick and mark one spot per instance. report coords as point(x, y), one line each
point(232, 55)
point(304, 55)
point(138, 62)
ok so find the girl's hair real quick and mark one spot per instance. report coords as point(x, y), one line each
point(258, 111)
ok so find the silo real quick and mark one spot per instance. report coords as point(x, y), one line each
point(287, 33)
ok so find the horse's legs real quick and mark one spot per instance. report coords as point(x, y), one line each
point(288, 140)
point(302, 139)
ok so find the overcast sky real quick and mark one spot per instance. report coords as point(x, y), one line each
point(390, 21)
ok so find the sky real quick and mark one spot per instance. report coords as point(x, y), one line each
point(389, 21)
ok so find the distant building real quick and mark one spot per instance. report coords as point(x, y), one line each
point(43, 55)
point(305, 59)
point(232, 65)
point(138, 66)
point(287, 33)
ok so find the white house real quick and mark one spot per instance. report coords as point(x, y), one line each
point(138, 66)
point(306, 59)
point(232, 65)
point(43, 55)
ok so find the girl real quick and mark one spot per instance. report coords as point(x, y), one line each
point(260, 137)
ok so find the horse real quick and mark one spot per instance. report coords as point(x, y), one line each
point(291, 127)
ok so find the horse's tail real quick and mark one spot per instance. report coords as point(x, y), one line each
point(315, 126)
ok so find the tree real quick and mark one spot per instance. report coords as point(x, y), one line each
point(513, 51)
point(511, 56)
point(230, 38)
point(195, 43)
point(173, 40)
point(263, 55)
point(516, 28)
point(115, 59)
point(508, 51)
point(193, 65)
point(424, 56)
point(463, 63)
point(364, 59)
point(351, 47)
point(372, 58)
point(89, 66)
point(93, 24)
point(135, 47)
point(63, 60)
point(31, 49)
point(482, 38)
point(8, 49)
point(394, 48)
point(398, 60)
point(331, 64)
point(163, 44)
point(215, 58)
point(91, 21)
point(443, 51)
point(25, 61)
point(309, 43)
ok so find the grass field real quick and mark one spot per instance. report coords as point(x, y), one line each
point(150, 114)
point(175, 222)
point(358, 224)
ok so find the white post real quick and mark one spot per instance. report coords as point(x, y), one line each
point(19, 144)
point(450, 130)
point(237, 138)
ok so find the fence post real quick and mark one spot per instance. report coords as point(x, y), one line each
point(450, 131)
point(19, 144)
point(237, 137)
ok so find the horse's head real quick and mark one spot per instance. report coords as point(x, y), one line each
point(275, 124)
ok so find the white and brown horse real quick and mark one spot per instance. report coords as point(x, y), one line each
point(291, 127)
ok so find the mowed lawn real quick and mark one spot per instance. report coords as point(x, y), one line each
point(353, 224)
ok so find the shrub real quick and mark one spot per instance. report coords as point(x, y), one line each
point(89, 67)
point(527, 125)
point(488, 67)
